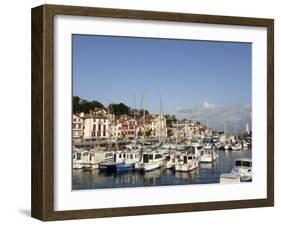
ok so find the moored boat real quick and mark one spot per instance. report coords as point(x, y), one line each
point(241, 172)
point(150, 160)
point(118, 158)
point(237, 147)
point(131, 157)
point(243, 167)
point(208, 156)
point(84, 159)
point(187, 162)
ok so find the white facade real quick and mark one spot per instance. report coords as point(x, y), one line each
point(159, 127)
point(77, 126)
point(96, 127)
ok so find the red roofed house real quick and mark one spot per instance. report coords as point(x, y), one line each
point(126, 126)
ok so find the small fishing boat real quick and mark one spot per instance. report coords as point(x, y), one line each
point(241, 172)
point(243, 167)
point(208, 156)
point(237, 147)
point(131, 157)
point(187, 162)
point(118, 157)
point(150, 160)
point(195, 148)
point(78, 158)
point(84, 159)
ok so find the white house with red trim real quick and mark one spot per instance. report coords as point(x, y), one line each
point(126, 127)
point(96, 127)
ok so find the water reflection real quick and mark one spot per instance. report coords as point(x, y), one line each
point(205, 173)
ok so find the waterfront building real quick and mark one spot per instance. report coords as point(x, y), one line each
point(158, 126)
point(96, 127)
point(126, 127)
point(78, 126)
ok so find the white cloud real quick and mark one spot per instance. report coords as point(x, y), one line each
point(208, 105)
point(232, 115)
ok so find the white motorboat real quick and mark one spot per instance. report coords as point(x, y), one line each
point(119, 157)
point(187, 162)
point(132, 156)
point(195, 148)
point(237, 147)
point(90, 159)
point(97, 157)
point(78, 158)
point(243, 168)
point(208, 156)
point(150, 160)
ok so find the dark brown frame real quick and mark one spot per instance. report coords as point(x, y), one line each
point(42, 203)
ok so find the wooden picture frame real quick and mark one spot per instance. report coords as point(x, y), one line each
point(42, 203)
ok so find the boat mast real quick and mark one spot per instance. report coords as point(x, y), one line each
point(135, 120)
point(92, 128)
point(207, 121)
point(144, 107)
point(235, 132)
point(161, 119)
point(177, 125)
point(224, 129)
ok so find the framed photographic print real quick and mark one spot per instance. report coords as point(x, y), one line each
point(141, 112)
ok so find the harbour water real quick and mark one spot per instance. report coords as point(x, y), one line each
point(206, 173)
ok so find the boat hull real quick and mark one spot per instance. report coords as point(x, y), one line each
point(206, 159)
point(145, 167)
point(185, 167)
point(124, 167)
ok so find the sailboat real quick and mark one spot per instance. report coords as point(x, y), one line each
point(150, 158)
point(237, 146)
point(189, 160)
point(131, 154)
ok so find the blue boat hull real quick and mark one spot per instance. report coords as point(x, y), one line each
point(107, 167)
point(124, 167)
point(119, 167)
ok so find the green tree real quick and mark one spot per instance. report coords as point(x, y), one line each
point(81, 105)
point(120, 109)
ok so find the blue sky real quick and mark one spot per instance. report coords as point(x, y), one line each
point(114, 69)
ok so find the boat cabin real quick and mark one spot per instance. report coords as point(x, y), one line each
point(243, 163)
point(151, 157)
